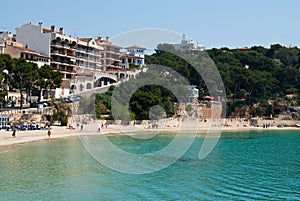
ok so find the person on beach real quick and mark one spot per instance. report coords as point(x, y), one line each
point(49, 133)
point(81, 127)
point(14, 133)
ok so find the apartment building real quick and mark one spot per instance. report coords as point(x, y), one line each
point(135, 55)
point(71, 56)
point(87, 61)
point(115, 62)
point(110, 55)
point(8, 45)
point(16, 50)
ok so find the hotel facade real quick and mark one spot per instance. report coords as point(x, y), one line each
point(84, 63)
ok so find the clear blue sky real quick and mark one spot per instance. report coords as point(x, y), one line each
point(231, 23)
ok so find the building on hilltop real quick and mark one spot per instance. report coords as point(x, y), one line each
point(133, 55)
point(188, 46)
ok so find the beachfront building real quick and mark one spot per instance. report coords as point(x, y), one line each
point(204, 110)
point(117, 63)
point(68, 54)
point(110, 54)
point(188, 46)
point(77, 59)
point(84, 63)
point(193, 94)
point(8, 45)
point(16, 50)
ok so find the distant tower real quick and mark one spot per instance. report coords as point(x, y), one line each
point(183, 37)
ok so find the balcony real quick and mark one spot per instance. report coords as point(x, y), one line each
point(63, 61)
point(60, 45)
point(82, 57)
point(59, 53)
point(80, 50)
point(63, 69)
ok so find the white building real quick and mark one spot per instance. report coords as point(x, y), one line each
point(2, 46)
point(188, 46)
point(134, 55)
point(8, 45)
point(16, 50)
point(70, 56)
point(193, 94)
point(110, 54)
point(4, 37)
point(90, 62)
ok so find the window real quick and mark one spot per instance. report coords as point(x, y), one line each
point(88, 85)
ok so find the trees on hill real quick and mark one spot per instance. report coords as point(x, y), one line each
point(253, 77)
point(250, 76)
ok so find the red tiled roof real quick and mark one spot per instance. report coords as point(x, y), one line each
point(23, 49)
point(130, 56)
point(46, 30)
point(86, 39)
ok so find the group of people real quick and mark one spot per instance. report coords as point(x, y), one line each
point(49, 129)
point(15, 131)
point(101, 127)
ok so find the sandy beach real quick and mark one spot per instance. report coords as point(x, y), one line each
point(173, 126)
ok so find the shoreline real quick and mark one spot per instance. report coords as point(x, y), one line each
point(26, 137)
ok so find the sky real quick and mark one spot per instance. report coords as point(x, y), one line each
point(212, 23)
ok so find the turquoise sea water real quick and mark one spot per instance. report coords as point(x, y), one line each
point(243, 166)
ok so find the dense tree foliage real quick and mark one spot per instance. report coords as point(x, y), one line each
point(139, 103)
point(47, 79)
point(250, 76)
point(103, 103)
point(61, 112)
point(25, 76)
point(22, 75)
point(148, 97)
point(259, 72)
